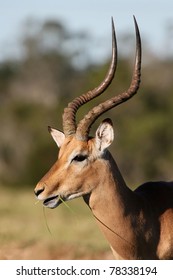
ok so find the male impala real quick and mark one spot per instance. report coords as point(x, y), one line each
point(137, 225)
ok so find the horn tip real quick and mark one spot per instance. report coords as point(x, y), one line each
point(136, 24)
point(113, 25)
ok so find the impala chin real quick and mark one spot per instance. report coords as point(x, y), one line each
point(52, 202)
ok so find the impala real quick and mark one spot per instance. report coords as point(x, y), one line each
point(137, 224)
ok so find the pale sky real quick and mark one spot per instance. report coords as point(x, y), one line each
point(92, 16)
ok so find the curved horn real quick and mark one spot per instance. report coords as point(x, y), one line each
point(69, 116)
point(85, 124)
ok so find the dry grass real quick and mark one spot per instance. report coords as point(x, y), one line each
point(24, 233)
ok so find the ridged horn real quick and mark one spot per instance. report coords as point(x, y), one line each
point(69, 115)
point(86, 123)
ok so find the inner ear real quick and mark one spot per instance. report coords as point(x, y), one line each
point(104, 135)
point(57, 135)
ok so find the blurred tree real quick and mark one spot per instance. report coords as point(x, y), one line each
point(33, 90)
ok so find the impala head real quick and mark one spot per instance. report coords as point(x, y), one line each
point(76, 171)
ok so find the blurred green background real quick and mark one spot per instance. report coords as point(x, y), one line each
point(35, 89)
point(54, 67)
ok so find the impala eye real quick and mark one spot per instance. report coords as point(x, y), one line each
point(80, 158)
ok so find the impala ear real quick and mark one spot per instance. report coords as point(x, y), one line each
point(104, 135)
point(57, 135)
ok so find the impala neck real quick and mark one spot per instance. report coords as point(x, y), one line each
point(113, 204)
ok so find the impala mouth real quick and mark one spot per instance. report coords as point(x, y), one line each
point(56, 200)
point(52, 202)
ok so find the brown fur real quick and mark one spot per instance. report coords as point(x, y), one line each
point(137, 225)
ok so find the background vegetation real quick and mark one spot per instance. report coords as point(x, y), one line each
point(54, 66)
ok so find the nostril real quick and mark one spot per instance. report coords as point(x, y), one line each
point(37, 192)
